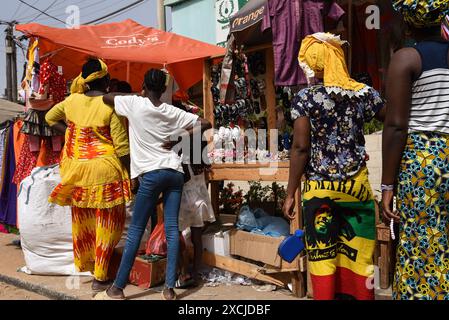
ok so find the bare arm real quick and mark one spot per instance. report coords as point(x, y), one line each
point(299, 156)
point(204, 125)
point(110, 97)
point(404, 67)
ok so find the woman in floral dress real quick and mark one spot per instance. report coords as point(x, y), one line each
point(329, 148)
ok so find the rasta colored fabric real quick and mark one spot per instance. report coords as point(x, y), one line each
point(321, 53)
point(422, 264)
point(422, 13)
point(79, 84)
point(96, 232)
point(339, 219)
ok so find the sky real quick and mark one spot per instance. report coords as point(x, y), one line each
point(145, 14)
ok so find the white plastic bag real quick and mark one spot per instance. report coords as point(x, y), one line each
point(45, 228)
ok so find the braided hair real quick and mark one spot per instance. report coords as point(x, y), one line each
point(155, 80)
point(91, 66)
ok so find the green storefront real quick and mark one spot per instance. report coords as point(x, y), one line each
point(205, 20)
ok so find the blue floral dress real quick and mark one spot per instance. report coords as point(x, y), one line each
point(337, 141)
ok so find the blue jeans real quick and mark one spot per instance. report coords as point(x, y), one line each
point(152, 184)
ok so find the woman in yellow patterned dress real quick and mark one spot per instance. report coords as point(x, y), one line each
point(94, 164)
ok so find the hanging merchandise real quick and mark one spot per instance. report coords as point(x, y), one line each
point(8, 191)
point(290, 21)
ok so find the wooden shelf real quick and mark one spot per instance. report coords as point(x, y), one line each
point(273, 171)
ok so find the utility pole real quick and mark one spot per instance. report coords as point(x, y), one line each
point(11, 61)
point(9, 50)
point(161, 14)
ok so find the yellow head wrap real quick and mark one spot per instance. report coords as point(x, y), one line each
point(322, 53)
point(79, 85)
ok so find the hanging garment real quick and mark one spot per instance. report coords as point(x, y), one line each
point(290, 21)
point(51, 82)
point(8, 192)
point(365, 47)
point(42, 155)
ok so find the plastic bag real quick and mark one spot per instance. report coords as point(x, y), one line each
point(278, 227)
point(246, 220)
point(157, 244)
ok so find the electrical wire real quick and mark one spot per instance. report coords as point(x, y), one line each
point(49, 11)
point(19, 6)
point(37, 9)
point(45, 10)
point(86, 7)
point(29, 15)
point(119, 11)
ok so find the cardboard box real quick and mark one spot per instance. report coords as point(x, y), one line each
point(258, 248)
point(217, 243)
point(144, 274)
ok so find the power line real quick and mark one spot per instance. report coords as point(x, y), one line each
point(56, 8)
point(45, 10)
point(116, 12)
point(86, 7)
point(27, 17)
point(17, 10)
point(37, 9)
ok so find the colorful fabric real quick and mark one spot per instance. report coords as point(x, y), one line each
point(322, 54)
point(339, 219)
point(91, 171)
point(96, 232)
point(290, 21)
point(445, 28)
point(422, 264)
point(51, 82)
point(422, 13)
point(8, 191)
point(28, 160)
point(337, 141)
point(79, 85)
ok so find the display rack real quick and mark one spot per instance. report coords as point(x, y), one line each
point(293, 273)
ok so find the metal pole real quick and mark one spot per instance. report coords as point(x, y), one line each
point(8, 63)
point(161, 14)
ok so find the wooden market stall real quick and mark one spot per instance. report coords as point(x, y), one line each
point(284, 273)
point(250, 35)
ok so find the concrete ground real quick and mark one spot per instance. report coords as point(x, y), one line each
point(62, 287)
point(9, 110)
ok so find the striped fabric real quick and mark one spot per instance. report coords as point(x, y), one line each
point(430, 102)
point(339, 221)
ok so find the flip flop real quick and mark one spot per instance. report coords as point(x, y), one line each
point(104, 296)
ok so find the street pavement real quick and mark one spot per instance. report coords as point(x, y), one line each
point(9, 110)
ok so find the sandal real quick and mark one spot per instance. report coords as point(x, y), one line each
point(175, 297)
point(98, 287)
point(103, 295)
point(185, 283)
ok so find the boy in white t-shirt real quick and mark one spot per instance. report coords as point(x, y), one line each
point(159, 169)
